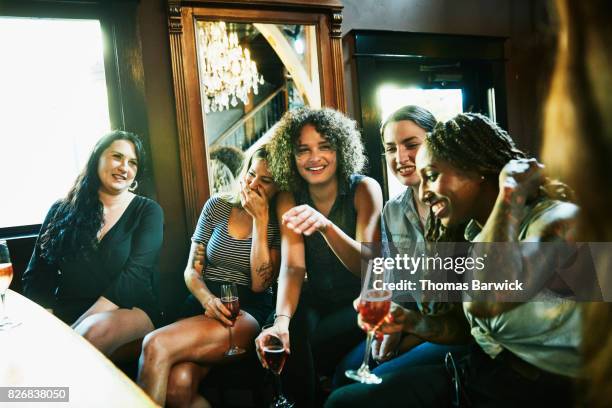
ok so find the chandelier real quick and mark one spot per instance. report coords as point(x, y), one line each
point(226, 69)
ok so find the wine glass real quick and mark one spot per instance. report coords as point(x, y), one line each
point(6, 276)
point(275, 356)
point(374, 305)
point(229, 298)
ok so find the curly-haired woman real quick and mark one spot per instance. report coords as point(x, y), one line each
point(95, 262)
point(327, 210)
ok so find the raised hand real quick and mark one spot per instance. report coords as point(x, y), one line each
point(522, 178)
point(304, 219)
point(254, 201)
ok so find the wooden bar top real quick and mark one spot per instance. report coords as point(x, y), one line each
point(44, 352)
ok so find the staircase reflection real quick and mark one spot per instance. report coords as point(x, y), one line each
point(255, 123)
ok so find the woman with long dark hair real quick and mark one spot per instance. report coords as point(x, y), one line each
point(236, 241)
point(524, 352)
point(95, 263)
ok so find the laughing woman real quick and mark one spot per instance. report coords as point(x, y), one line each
point(95, 261)
point(524, 353)
point(403, 228)
point(327, 211)
point(236, 241)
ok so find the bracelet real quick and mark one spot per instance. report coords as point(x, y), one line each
point(276, 316)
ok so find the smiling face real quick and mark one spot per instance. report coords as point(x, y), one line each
point(402, 140)
point(117, 167)
point(315, 158)
point(258, 178)
point(452, 194)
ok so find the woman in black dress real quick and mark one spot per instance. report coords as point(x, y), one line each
point(95, 263)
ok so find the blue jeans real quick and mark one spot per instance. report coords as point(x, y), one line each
point(423, 354)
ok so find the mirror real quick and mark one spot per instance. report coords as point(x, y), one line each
point(250, 75)
point(280, 55)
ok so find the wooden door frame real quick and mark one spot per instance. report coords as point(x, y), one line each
point(182, 15)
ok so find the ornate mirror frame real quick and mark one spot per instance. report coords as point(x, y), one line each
point(182, 16)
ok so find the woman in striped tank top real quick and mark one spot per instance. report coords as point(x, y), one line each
point(236, 241)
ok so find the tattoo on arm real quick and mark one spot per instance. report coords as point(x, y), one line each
point(265, 272)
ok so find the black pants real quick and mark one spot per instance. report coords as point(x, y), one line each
point(487, 383)
point(321, 333)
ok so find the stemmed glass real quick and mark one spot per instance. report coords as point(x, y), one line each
point(275, 356)
point(6, 276)
point(374, 305)
point(229, 298)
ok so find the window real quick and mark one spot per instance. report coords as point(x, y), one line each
point(71, 71)
point(54, 107)
point(442, 103)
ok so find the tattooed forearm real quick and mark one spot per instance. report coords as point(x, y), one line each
point(265, 272)
point(197, 262)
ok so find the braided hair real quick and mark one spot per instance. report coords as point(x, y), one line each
point(73, 228)
point(472, 142)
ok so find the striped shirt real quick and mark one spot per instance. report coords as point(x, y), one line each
point(227, 259)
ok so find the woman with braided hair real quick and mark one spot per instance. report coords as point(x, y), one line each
point(523, 353)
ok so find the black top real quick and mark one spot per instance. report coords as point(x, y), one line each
point(327, 276)
point(124, 268)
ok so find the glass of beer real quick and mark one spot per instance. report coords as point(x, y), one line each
point(6, 276)
point(229, 298)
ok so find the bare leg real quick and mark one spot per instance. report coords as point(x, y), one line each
point(198, 339)
point(109, 330)
point(183, 386)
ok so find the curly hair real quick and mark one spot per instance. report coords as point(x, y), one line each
point(340, 131)
point(472, 142)
point(73, 228)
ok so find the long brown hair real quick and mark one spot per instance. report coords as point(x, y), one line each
point(73, 228)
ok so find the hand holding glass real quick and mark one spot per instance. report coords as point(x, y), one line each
point(229, 298)
point(373, 306)
point(275, 356)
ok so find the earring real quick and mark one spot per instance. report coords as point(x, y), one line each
point(133, 186)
